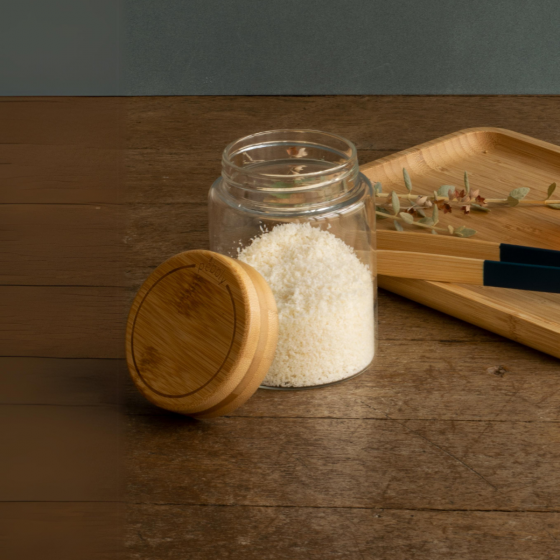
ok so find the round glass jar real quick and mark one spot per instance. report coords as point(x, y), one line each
point(294, 205)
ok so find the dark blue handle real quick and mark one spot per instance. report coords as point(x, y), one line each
point(529, 255)
point(522, 276)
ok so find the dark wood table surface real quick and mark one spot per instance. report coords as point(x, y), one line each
point(430, 456)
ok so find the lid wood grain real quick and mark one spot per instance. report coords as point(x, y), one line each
point(201, 334)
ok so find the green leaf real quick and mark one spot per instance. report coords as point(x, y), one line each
point(464, 232)
point(479, 208)
point(434, 232)
point(407, 182)
point(426, 221)
point(395, 202)
point(467, 185)
point(520, 193)
point(555, 206)
point(377, 188)
point(435, 214)
point(551, 189)
point(512, 201)
point(398, 226)
point(444, 190)
point(451, 229)
point(420, 212)
point(407, 217)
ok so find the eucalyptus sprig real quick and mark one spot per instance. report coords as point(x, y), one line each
point(446, 198)
point(517, 194)
point(425, 222)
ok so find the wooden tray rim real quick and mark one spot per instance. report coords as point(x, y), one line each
point(460, 133)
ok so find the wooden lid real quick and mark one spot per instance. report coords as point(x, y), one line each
point(201, 334)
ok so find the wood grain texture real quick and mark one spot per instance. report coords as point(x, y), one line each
point(184, 175)
point(437, 244)
point(422, 380)
point(80, 322)
point(431, 368)
point(437, 375)
point(171, 532)
point(170, 158)
point(264, 354)
point(371, 122)
point(328, 462)
point(490, 308)
point(201, 334)
point(157, 232)
point(429, 266)
point(497, 161)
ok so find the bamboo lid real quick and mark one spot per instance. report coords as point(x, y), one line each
point(201, 334)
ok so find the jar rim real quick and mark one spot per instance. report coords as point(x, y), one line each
point(345, 148)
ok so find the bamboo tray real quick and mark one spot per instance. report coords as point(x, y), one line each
point(497, 161)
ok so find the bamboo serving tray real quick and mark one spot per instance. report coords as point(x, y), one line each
point(497, 161)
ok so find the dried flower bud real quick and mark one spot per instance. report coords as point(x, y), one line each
point(444, 205)
point(296, 152)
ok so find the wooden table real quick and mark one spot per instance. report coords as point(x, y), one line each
point(434, 455)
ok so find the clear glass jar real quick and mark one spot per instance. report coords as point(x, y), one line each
point(294, 205)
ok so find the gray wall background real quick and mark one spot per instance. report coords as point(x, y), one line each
point(273, 47)
point(59, 47)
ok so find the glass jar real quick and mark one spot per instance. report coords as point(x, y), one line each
point(294, 205)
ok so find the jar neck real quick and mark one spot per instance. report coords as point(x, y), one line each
point(290, 168)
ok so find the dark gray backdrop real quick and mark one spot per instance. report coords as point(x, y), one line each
point(59, 47)
point(271, 47)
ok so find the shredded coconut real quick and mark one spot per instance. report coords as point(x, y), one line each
point(324, 295)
